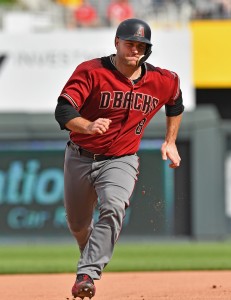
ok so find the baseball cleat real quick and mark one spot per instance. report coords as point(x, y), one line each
point(83, 287)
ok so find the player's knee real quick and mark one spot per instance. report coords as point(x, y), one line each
point(77, 227)
point(112, 215)
point(81, 233)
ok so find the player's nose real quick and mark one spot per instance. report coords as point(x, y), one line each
point(134, 49)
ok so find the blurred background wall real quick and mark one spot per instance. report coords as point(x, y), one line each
point(41, 42)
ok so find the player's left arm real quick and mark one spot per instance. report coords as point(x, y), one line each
point(169, 148)
point(173, 109)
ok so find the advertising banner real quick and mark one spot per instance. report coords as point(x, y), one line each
point(211, 53)
point(31, 192)
point(35, 67)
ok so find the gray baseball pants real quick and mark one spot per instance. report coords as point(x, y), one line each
point(87, 182)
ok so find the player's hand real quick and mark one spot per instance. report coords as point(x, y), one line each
point(169, 151)
point(99, 126)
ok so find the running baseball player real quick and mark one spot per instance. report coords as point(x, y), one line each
point(106, 105)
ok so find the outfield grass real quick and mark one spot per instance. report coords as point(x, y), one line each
point(127, 257)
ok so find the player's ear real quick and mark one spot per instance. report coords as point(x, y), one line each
point(116, 41)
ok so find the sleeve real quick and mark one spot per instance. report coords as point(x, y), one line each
point(78, 87)
point(176, 109)
point(65, 112)
point(175, 105)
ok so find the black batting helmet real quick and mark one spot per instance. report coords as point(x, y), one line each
point(134, 30)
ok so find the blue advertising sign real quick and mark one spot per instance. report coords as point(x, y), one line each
point(31, 191)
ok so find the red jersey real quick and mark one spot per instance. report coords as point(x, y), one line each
point(98, 90)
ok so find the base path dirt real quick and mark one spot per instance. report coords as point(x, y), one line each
point(203, 285)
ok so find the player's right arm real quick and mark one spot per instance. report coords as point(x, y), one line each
point(69, 118)
point(81, 125)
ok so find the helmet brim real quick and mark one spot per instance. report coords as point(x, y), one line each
point(135, 38)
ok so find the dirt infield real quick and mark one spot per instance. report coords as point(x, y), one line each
point(195, 285)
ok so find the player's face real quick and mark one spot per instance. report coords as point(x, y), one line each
point(129, 52)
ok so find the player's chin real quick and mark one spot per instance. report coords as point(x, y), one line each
point(132, 60)
point(132, 63)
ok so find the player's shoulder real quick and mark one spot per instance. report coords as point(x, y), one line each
point(161, 72)
point(89, 65)
point(95, 64)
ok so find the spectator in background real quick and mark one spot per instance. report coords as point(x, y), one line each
point(118, 11)
point(85, 15)
point(67, 7)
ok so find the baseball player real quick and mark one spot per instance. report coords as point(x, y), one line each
point(106, 105)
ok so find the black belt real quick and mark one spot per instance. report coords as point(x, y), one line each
point(96, 157)
point(83, 152)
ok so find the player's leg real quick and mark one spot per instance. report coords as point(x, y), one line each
point(114, 183)
point(80, 197)
point(80, 200)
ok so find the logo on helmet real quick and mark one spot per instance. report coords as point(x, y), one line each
point(140, 32)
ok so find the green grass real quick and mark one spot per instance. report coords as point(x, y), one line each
point(38, 259)
point(169, 256)
point(127, 257)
